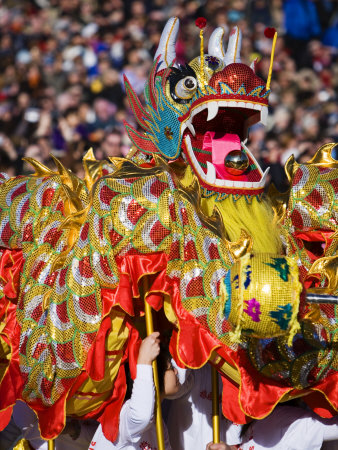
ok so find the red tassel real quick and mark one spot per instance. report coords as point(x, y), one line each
point(201, 22)
point(269, 32)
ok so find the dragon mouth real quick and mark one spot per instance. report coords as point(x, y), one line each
point(213, 129)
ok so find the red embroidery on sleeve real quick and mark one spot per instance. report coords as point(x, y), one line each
point(146, 446)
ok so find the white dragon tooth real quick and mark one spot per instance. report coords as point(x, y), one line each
point(211, 173)
point(239, 184)
point(264, 177)
point(191, 127)
point(212, 110)
point(256, 106)
point(232, 104)
point(188, 142)
point(264, 115)
point(224, 183)
point(249, 105)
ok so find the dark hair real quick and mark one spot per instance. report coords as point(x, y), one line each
point(163, 360)
point(245, 427)
point(129, 382)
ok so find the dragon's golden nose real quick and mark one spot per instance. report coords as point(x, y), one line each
point(236, 162)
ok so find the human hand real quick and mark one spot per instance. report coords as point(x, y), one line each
point(220, 446)
point(149, 349)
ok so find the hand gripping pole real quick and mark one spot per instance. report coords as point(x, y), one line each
point(150, 329)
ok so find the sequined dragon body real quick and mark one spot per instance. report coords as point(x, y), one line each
point(183, 223)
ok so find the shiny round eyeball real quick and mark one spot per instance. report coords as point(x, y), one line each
point(186, 87)
point(236, 162)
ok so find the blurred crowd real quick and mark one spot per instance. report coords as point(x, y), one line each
point(62, 64)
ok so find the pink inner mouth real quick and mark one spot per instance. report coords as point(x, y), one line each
point(220, 145)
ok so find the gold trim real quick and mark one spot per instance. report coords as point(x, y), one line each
point(237, 38)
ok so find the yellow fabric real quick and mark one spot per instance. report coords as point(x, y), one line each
point(22, 445)
point(92, 393)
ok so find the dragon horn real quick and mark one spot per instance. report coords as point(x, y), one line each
point(233, 54)
point(215, 47)
point(166, 47)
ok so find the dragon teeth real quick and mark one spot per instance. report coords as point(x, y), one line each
point(191, 128)
point(211, 174)
point(212, 110)
point(264, 115)
point(264, 177)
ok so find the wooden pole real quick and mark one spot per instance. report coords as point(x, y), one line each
point(150, 329)
point(215, 406)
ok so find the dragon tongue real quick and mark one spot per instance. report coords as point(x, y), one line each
point(220, 145)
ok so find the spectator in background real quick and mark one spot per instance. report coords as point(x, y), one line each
point(111, 145)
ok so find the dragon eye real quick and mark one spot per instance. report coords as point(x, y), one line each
point(186, 88)
point(183, 83)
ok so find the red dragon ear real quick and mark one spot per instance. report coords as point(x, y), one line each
point(141, 141)
point(140, 113)
point(151, 85)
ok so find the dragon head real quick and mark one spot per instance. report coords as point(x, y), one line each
point(201, 112)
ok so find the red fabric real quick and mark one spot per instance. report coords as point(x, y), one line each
point(258, 394)
point(194, 344)
point(133, 347)
point(111, 413)
point(230, 402)
point(110, 419)
point(11, 385)
point(132, 268)
point(5, 417)
point(318, 403)
point(191, 346)
point(52, 419)
point(11, 264)
point(95, 363)
point(108, 412)
point(315, 236)
point(327, 388)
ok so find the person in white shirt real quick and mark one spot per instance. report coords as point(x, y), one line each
point(137, 428)
point(190, 414)
point(287, 428)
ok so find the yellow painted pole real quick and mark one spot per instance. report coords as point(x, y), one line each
point(150, 329)
point(215, 405)
point(271, 60)
point(51, 444)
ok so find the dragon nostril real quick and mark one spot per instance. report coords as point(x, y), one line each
point(236, 162)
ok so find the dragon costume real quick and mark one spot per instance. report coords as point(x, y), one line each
point(183, 222)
